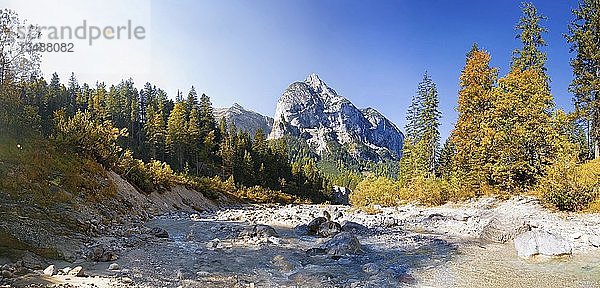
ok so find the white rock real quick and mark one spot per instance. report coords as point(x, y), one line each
point(49, 271)
point(539, 242)
point(77, 272)
point(113, 266)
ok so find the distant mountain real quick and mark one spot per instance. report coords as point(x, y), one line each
point(314, 112)
point(246, 120)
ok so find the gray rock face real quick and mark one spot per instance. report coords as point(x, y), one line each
point(539, 242)
point(503, 228)
point(246, 120)
point(313, 111)
point(342, 244)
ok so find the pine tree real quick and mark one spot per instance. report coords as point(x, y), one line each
point(584, 37)
point(194, 142)
point(421, 145)
point(446, 167)
point(177, 134)
point(530, 56)
point(155, 133)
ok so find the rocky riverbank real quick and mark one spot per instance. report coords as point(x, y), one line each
point(485, 242)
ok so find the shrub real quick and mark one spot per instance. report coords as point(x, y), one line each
point(376, 190)
point(569, 186)
point(89, 137)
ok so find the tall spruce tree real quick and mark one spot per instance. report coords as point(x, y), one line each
point(530, 33)
point(177, 134)
point(584, 37)
point(421, 147)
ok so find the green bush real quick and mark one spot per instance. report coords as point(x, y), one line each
point(571, 187)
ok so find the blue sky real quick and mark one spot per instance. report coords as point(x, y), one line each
point(372, 52)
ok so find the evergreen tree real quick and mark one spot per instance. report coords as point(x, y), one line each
point(530, 56)
point(421, 145)
point(177, 129)
point(584, 37)
point(446, 167)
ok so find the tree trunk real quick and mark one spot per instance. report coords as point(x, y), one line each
point(596, 149)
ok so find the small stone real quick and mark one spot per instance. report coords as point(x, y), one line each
point(77, 272)
point(594, 240)
point(274, 240)
point(370, 268)
point(126, 280)
point(49, 271)
point(113, 266)
point(159, 232)
point(64, 271)
point(7, 274)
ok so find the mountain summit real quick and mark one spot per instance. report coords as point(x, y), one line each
point(246, 120)
point(313, 111)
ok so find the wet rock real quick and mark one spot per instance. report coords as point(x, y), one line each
point(100, 253)
point(301, 230)
point(214, 244)
point(159, 232)
point(259, 231)
point(354, 227)
point(342, 244)
point(113, 266)
point(313, 226)
point(77, 272)
point(49, 271)
point(316, 251)
point(539, 242)
point(284, 265)
point(370, 268)
point(503, 228)
point(329, 228)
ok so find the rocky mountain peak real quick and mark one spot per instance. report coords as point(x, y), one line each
point(313, 111)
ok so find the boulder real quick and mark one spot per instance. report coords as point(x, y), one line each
point(354, 227)
point(540, 242)
point(101, 253)
point(301, 230)
point(77, 272)
point(503, 228)
point(313, 226)
point(259, 231)
point(49, 271)
point(159, 232)
point(342, 244)
point(329, 228)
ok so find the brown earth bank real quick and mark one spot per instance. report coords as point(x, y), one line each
point(182, 239)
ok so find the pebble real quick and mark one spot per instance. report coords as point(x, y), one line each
point(113, 266)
